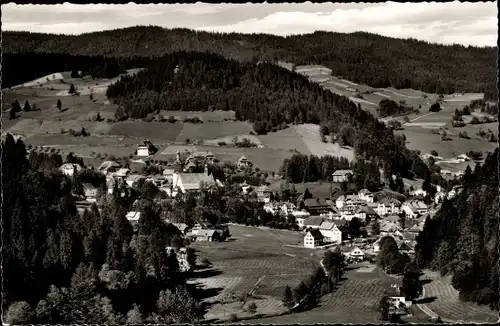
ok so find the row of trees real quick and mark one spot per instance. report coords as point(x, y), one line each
point(361, 57)
point(60, 267)
point(265, 94)
point(387, 107)
point(462, 239)
point(305, 296)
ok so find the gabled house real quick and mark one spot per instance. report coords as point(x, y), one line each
point(168, 173)
point(313, 239)
point(70, 169)
point(330, 232)
point(414, 208)
point(418, 192)
point(207, 235)
point(109, 167)
point(184, 182)
point(388, 206)
point(355, 254)
point(313, 222)
point(112, 181)
point(90, 192)
point(342, 176)
point(204, 157)
point(146, 149)
point(388, 228)
point(243, 163)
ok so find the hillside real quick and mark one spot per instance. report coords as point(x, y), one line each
point(462, 239)
point(269, 96)
point(359, 57)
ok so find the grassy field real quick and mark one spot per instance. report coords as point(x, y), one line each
point(443, 300)
point(354, 301)
point(256, 261)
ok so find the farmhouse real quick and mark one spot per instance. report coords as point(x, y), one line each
point(112, 181)
point(342, 176)
point(414, 208)
point(168, 173)
point(330, 232)
point(146, 149)
point(243, 163)
point(109, 167)
point(313, 239)
point(388, 206)
point(207, 235)
point(70, 169)
point(90, 192)
point(355, 255)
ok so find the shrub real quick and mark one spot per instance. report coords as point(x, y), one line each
point(436, 107)
point(233, 318)
point(463, 134)
point(434, 153)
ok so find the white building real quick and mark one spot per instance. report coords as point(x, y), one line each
point(146, 149)
point(90, 192)
point(366, 196)
point(70, 169)
point(313, 239)
point(183, 182)
point(414, 208)
point(388, 206)
point(418, 192)
point(133, 217)
point(330, 232)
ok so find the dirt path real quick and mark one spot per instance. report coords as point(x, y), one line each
point(422, 116)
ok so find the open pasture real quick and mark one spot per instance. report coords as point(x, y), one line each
point(446, 303)
point(255, 261)
point(287, 139)
point(425, 141)
point(161, 131)
point(354, 301)
point(267, 159)
point(229, 140)
point(212, 130)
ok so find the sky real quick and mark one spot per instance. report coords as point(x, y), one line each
point(446, 23)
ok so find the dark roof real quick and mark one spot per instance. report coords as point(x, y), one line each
point(88, 186)
point(339, 222)
point(316, 234)
point(314, 220)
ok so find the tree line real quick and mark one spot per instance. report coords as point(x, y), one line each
point(361, 57)
point(60, 267)
point(265, 94)
point(462, 239)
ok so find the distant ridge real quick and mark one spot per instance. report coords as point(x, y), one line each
point(360, 57)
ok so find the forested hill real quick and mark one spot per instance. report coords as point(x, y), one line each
point(462, 239)
point(266, 94)
point(360, 57)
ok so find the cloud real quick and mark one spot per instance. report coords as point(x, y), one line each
point(455, 22)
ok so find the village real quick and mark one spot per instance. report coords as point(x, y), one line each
point(352, 221)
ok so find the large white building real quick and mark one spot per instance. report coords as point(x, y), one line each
point(330, 232)
point(313, 239)
point(414, 208)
